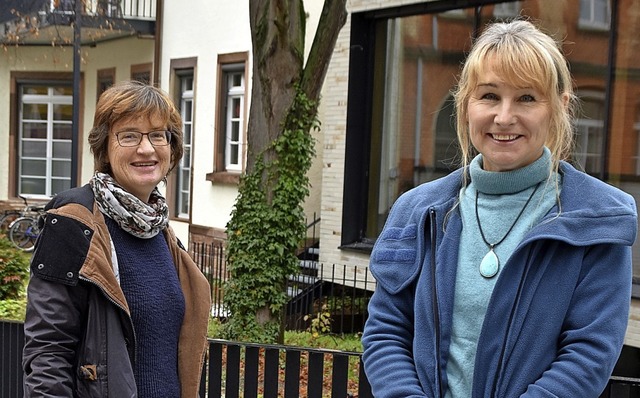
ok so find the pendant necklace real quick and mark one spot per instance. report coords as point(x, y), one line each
point(490, 263)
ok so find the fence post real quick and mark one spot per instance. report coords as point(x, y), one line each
point(11, 342)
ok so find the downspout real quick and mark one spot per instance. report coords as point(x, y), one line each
point(75, 117)
point(418, 125)
point(609, 91)
point(157, 52)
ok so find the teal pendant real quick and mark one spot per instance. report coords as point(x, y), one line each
point(490, 265)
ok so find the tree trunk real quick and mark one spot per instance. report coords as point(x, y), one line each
point(277, 35)
point(267, 222)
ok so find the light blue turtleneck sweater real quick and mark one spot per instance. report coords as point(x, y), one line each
point(502, 195)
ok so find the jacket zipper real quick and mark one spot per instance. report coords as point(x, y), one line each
point(104, 293)
point(516, 301)
point(433, 228)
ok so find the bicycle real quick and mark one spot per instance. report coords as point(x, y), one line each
point(24, 229)
point(8, 216)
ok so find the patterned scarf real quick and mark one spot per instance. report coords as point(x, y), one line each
point(144, 220)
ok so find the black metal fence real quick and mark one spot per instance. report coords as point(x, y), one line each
point(235, 369)
point(622, 387)
point(211, 260)
point(341, 292)
point(260, 370)
point(11, 342)
point(247, 370)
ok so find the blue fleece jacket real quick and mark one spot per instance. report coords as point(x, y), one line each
point(555, 323)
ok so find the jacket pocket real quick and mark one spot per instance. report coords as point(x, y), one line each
point(394, 260)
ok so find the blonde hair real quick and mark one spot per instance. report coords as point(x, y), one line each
point(525, 57)
point(132, 99)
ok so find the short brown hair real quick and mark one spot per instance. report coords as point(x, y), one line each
point(131, 99)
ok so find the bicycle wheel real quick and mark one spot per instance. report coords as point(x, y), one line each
point(23, 233)
point(7, 218)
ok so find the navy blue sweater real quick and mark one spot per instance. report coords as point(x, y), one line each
point(150, 284)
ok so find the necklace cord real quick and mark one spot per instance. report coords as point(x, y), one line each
point(491, 246)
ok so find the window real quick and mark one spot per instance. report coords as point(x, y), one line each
point(106, 78)
point(234, 119)
point(636, 131)
point(183, 169)
point(110, 8)
point(595, 14)
point(506, 10)
point(589, 132)
point(456, 13)
point(180, 182)
point(400, 127)
point(141, 73)
point(230, 139)
point(63, 6)
point(44, 143)
point(446, 141)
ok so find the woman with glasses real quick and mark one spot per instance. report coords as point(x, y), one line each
point(511, 277)
point(116, 307)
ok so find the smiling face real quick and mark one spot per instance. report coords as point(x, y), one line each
point(508, 125)
point(140, 168)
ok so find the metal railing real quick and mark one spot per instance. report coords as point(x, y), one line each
point(343, 291)
point(621, 387)
point(236, 369)
point(11, 342)
point(129, 9)
point(262, 370)
point(211, 259)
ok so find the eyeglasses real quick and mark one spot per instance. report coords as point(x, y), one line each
point(134, 138)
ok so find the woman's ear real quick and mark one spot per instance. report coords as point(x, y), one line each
point(565, 100)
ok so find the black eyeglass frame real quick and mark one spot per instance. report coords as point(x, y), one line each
point(167, 134)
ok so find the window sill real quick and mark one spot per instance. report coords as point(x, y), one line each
point(635, 288)
point(593, 27)
point(224, 177)
point(359, 247)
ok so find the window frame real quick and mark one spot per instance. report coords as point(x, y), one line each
point(592, 23)
point(182, 67)
point(507, 10)
point(636, 129)
point(592, 125)
point(364, 72)
point(105, 78)
point(233, 147)
point(142, 72)
point(229, 63)
point(18, 79)
point(186, 96)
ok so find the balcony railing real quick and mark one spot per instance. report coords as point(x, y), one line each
point(50, 22)
point(128, 9)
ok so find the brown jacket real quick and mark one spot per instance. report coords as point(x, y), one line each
point(79, 338)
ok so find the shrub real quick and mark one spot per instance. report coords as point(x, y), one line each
point(13, 309)
point(14, 270)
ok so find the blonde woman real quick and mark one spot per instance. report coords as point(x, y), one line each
point(511, 277)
